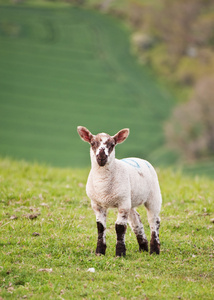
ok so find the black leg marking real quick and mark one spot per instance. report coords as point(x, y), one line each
point(143, 243)
point(120, 246)
point(158, 225)
point(101, 247)
point(154, 244)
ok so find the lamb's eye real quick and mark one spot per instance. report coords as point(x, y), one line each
point(92, 143)
point(111, 146)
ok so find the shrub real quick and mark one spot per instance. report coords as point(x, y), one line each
point(190, 129)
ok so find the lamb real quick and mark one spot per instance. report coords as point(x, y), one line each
point(123, 184)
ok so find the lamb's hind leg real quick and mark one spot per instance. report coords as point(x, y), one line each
point(101, 214)
point(154, 222)
point(137, 227)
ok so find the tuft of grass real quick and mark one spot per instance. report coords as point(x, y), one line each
point(48, 239)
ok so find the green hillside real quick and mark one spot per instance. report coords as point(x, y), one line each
point(64, 67)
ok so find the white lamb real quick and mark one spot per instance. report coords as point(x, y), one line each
point(124, 184)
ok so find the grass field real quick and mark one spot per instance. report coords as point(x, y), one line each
point(64, 67)
point(48, 238)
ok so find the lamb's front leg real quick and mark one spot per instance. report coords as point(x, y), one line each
point(101, 214)
point(120, 227)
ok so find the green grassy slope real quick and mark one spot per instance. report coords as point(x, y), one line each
point(60, 68)
point(200, 168)
point(52, 203)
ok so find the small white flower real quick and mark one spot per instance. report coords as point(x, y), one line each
point(92, 270)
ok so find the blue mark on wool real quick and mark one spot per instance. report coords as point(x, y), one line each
point(134, 163)
point(148, 165)
point(131, 162)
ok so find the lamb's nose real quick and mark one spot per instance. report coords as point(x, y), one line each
point(102, 151)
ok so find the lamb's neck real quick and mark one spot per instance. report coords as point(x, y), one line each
point(106, 172)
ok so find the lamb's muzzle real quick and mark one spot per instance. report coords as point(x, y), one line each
point(101, 157)
point(124, 184)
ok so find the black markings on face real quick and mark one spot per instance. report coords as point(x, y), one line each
point(110, 143)
point(106, 143)
point(95, 144)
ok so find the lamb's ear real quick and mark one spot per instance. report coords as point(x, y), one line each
point(84, 133)
point(121, 136)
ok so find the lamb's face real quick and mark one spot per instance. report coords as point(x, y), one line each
point(102, 144)
point(102, 148)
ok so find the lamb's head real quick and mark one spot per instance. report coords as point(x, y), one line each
point(102, 144)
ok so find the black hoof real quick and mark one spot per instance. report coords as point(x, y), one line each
point(144, 246)
point(101, 249)
point(143, 243)
point(155, 249)
point(154, 244)
point(120, 249)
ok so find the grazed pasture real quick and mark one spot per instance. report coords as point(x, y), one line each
point(48, 239)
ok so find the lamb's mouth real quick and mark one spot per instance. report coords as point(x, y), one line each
point(101, 161)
